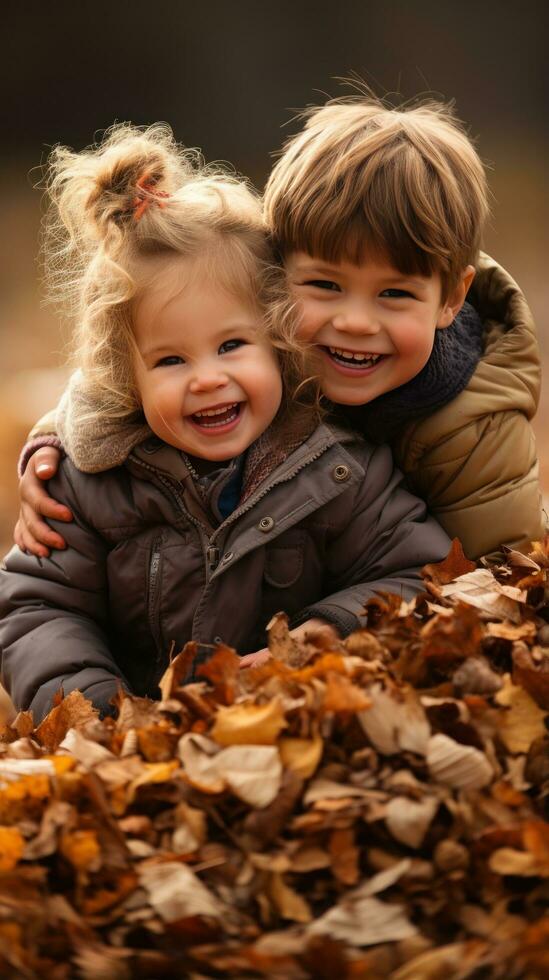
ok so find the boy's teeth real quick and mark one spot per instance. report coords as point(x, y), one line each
point(216, 411)
point(351, 356)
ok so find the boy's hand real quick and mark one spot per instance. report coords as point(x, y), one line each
point(308, 630)
point(31, 533)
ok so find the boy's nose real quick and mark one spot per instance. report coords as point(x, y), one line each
point(356, 319)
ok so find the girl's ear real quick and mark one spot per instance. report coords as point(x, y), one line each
point(453, 303)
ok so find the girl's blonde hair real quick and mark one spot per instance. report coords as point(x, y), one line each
point(365, 178)
point(138, 195)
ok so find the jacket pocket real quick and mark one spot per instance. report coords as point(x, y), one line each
point(284, 560)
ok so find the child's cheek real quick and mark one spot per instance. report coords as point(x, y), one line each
point(309, 320)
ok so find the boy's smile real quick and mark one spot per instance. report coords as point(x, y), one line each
point(373, 325)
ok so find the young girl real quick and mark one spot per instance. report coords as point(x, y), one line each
point(205, 495)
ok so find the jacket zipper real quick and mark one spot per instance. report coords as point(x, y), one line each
point(153, 617)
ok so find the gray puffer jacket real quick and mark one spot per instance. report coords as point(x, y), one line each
point(147, 566)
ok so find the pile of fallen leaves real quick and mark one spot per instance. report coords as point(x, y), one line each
point(366, 809)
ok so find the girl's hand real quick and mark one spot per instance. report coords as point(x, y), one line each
point(31, 533)
point(308, 630)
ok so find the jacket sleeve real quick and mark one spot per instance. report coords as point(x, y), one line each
point(482, 484)
point(54, 618)
point(382, 547)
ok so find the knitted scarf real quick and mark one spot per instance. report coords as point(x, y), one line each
point(455, 355)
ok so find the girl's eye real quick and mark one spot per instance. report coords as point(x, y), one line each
point(169, 361)
point(395, 294)
point(323, 284)
point(228, 345)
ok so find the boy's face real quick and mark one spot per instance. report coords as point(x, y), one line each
point(373, 326)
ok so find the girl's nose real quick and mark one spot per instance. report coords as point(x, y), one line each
point(356, 318)
point(207, 379)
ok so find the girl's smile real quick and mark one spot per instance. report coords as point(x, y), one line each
point(219, 419)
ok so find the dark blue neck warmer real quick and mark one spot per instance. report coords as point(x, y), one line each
point(455, 355)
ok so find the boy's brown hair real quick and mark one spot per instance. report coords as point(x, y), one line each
point(362, 179)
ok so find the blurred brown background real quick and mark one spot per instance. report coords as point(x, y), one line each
point(228, 76)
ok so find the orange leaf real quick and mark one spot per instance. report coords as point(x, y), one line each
point(81, 848)
point(344, 697)
point(454, 565)
point(222, 670)
point(72, 712)
point(12, 845)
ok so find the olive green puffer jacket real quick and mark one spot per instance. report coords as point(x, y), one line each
point(474, 460)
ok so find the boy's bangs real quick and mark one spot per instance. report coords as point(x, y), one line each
point(365, 234)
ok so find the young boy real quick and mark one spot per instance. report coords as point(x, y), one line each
point(378, 215)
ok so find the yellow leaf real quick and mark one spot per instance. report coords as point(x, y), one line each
point(249, 724)
point(523, 722)
point(11, 847)
point(301, 755)
point(81, 848)
point(155, 772)
point(61, 763)
point(508, 861)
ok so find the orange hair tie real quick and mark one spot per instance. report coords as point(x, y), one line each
point(147, 195)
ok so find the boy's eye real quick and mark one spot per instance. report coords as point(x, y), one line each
point(169, 361)
point(323, 284)
point(228, 345)
point(395, 293)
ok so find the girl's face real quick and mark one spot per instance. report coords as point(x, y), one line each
point(209, 381)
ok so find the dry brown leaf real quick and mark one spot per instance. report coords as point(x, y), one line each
point(175, 892)
point(179, 668)
point(288, 903)
point(282, 645)
point(481, 589)
point(523, 722)
point(447, 639)
point(197, 753)
point(456, 765)
point(364, 922)
point(57, 815)
point(252, 772)
point(245, 724)
point(532, 674)
point(344, 856)
point(87, 752)
point(395, 722)
point(409, 820)
point(439, 964)
point(191, 830)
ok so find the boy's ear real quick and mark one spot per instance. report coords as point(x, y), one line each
point(453, 303)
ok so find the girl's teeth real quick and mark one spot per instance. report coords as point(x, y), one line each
point(210, 418)
point(216, 411)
